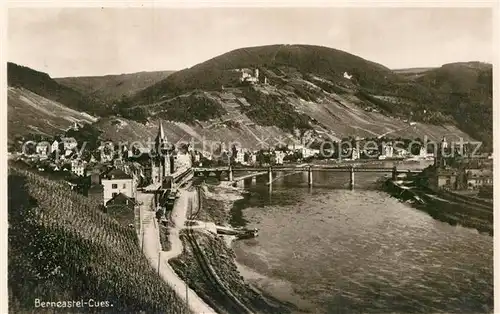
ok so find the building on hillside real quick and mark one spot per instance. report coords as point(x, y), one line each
point(78, 167)
point(54, 147)
point(120, 200)
point(69, 143)
point(478, 177)
point(355, 154)
point(252, 159)
point(197, 157)
point(443, 178)
point(388, 151)
point(279, 157)
point(423, 152)
point(400, 153)
point(43, 149)
point(240, 156)
point(115, 182)
point(306, 152)
point(248, 76)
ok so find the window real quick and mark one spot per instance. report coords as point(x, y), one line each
point(115, 194)
point(114, 186)
point(124, 185)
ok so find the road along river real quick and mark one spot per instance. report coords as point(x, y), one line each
point(331, 250)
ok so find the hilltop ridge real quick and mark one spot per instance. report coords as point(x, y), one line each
point(301, 90)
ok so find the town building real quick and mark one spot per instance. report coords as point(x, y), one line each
point(443, 178)
point(355, 154)
point(240, 157)
point(477, 178)
point(388, 151)
point(69, 143)
point(307, 152)
point(54, 147)
point(78, 167)
point(115, 182)
point(252, 159)
point(162, 164)
point(279, 157)
point(400, 153)
point(120, 201)
point(43, 149)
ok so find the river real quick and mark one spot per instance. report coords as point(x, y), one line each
point(331, 250)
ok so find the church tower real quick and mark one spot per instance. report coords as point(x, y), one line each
point(159, 165)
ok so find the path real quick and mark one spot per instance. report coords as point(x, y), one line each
point(159, 259)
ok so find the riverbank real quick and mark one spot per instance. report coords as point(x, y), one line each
point(208, 262)
point(445, 206)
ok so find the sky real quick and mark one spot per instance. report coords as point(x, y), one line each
point(100, 41)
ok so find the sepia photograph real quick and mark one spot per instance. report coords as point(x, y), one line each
point(243, 159)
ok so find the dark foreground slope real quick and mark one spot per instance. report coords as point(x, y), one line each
point(61, 247)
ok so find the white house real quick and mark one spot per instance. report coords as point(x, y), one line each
point(197, 157)
point(54, 146)
point(280, 156)
point(117, 181)
point(423, 152)
point(355, 154)
point(388, 151)
point(42, 149)
point(307, 152)
point(400, 152)
point(78, 167)
point(69, 143)
point(240, 156)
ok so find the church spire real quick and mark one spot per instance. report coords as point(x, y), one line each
point(160, 137)
point(161, 133)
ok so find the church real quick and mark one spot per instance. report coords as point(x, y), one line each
point(162, 160)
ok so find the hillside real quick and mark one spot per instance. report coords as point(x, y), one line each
point(43, 85)
point(307, 91)
point(281, 60)
point(62, 247)
point(109, 88)
point(29, 112)
point(465, 91)
point(318, 91)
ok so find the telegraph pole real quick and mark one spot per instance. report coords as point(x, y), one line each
point(187, 294)
point(159, 254)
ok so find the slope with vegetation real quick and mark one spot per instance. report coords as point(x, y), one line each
point(308, 90)
point(62, 247)
point(43, 85)
point(30, 113)
point(110, 88)
point(319, 91)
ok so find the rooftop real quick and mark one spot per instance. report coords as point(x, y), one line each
point(116, 174)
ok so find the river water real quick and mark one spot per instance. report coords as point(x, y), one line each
point(332, 250)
